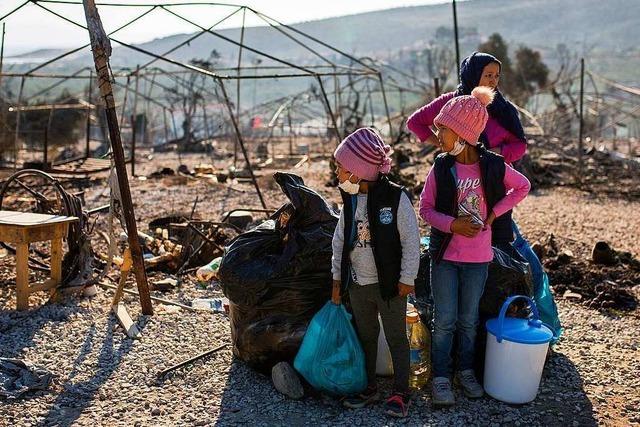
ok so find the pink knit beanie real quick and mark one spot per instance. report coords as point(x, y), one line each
point(467, 115)
point(364, 154)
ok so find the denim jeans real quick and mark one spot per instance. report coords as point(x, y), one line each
point(456, 288)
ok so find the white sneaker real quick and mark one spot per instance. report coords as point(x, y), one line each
point(442, 393)
point(467, 379)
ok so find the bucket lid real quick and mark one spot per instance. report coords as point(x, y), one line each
point(522, 331)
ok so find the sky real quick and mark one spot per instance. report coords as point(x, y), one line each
point(34, 28)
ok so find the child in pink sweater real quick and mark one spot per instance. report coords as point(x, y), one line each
point(467, 200)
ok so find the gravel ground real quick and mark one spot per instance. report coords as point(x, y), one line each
point(103, 378)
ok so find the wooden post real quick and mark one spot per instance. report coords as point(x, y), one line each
point(101, 49)
point(88, 131)
point(455, 33)
point(581, 125)
point(436, 86)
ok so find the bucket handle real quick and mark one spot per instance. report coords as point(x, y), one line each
point(534, 321)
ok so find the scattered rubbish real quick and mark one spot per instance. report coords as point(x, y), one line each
point(571, 295)
point(218, 305)
point(285, 379)
point(208, 272)
point(239, 218)
point(165, 285)
point(167, 309)
point(330, 357)
point(90, 291)
point(278, 275)
point(18, 377)
point(164, 372)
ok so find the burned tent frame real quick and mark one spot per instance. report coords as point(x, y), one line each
point(326, 68)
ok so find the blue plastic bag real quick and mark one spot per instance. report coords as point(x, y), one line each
point(541, 289)
point(330, 357)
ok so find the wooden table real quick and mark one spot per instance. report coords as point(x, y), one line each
point(21, 229)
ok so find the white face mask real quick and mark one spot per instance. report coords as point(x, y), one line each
point(458, 147)
point(350, 187)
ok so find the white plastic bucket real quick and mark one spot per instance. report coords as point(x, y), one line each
point(515, 355)
point(384, 365)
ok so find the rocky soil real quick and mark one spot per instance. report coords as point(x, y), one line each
point(104, 378)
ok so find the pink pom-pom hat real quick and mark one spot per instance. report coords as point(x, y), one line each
point(467, 115)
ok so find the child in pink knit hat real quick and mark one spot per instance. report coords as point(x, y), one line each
point(376, 255)
point(467, 200)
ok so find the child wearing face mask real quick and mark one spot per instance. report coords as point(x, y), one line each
point(467, 199)
point(376, 255)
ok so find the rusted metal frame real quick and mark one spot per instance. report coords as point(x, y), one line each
point(124, 102)
point(235, 143)
point(190, 39)
point(134, 124)
point(62, 80)
point(386, 106)
point(15, 10)
point(295, 40)
point(88, 129)
point(327, 105)
point(240, 141)
point(71, 52)
point(320, 42)
point(256, 51)
point(16, 136)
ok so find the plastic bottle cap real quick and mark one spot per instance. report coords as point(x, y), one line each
point(413, 317)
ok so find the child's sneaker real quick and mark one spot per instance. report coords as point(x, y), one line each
point(370, 395)
point(470, 385)
point(442, 394)
point(397, 405)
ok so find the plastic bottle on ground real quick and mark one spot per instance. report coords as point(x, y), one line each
point(419, 351)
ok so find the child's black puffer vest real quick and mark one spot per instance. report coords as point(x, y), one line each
point(382, 209)
point(492, 168)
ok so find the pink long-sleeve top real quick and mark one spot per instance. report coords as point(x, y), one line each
point(511, 147)
point(471, 199)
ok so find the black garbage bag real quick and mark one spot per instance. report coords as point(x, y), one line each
point(278, 275)
point(423, 300)
point(509, 274)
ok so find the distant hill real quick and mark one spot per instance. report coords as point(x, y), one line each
point(610, 28)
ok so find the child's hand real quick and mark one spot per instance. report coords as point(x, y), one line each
point(489, 220)
point(465, 226)
point(404, 290)
point(335, 292)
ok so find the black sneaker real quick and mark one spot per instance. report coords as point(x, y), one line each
point(397, 405)
point(370, 395)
